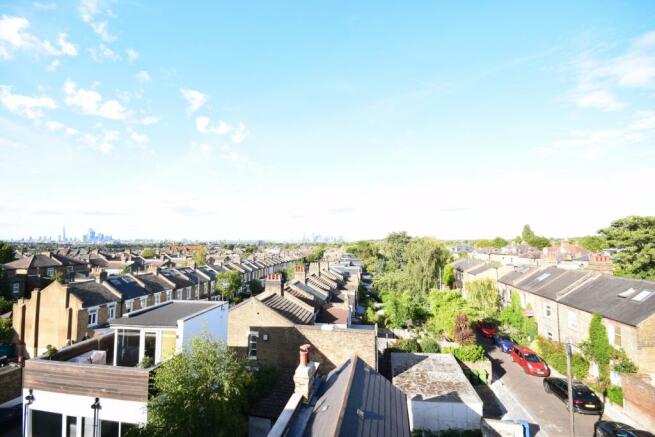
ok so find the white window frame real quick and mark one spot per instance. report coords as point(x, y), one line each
point(111, 311)
point(188, 293)
point(15, 288)
point(144, 301)
point(50, 272)
point(70, 269)
point(157, 298)
point(168, 294)
point(548, 311)
point(93, 316)
point(129, 306)
point(197, 292)
point(252, 345)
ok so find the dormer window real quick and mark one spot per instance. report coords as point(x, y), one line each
point(93, 316)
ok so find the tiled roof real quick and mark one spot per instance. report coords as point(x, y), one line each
point(303, 297)
point(291, 311)
point(91, 293)
point(333, 315)
point(33, 261)
point(154, 283)
point(127, 286)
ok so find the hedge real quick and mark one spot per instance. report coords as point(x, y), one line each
point(554, 354)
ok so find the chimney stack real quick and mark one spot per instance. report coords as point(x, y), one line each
point(102, 276)
point(300, 274)
point(303, 378)
point(274, 283)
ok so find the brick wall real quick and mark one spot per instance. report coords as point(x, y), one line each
point(247, 314)
point(638, 399)
point(329, 348)
point(646, 345)
point(11, 382)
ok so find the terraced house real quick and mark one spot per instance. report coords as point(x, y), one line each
point(563, 302)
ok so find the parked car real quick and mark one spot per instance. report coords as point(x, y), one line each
point(618, 429)
point(504, 342)
point(530, 362)
point(585, 400)
point(487, 329)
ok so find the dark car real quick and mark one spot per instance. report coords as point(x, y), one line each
point(530, 361)
point(618, 429)
point(11, 415)
point(487, 329)
point(585, 400)
point(504, 342)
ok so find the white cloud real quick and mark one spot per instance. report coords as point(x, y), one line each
point(598, 99)
point(195, 99)
point(103, 52)
point(138, 138)
point(91, 102)
point(643, 120)
point(240, 134)
point(44, 6)
point(54, 125)
point(54, 65)
point(204, 126)
point(14, 37)
point(132, 54)
point(89, 11)
point(202, 149)
point(238, 159)
point(149, 119)
point(102, 141)
point(143, 76)
point(26, 106)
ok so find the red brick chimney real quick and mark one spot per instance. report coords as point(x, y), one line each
point(300, 273)
point(274, 283)
point(303, 378)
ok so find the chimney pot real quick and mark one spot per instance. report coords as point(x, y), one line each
point(304, 354)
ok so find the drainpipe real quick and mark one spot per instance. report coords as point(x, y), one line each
point(29, 398)
point(96, 417)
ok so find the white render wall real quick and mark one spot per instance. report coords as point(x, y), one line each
point(76, 405)
point(443, 415)
point(213, 321)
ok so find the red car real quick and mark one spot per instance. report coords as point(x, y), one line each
point(530, 362)
point(487, 329)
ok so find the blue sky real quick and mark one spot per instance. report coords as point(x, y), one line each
point(272, 119)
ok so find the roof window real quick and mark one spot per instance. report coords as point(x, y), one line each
point(542, 277)
point(627, 293)
point(642, 296)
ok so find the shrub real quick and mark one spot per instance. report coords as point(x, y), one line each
point(429, 345)
point(146, 362)
point(553, 353)
point(615, 394)
point(6, 331)
point(5, 305)
point(623, 363)
point(462, 332)
point(469, 352)
point(407, 345)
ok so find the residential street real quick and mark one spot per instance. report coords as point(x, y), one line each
point(543, 409)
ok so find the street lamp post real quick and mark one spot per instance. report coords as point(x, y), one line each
point(569, 375)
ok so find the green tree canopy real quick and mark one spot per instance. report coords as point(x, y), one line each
point(316, 254)
point(482, 295)
point(6, 253)
point(593, 243)
point(148, 253)
point(229, 282)
point(426, 258)
point(200, 255)
point(497, 243)
point(448, 277)
point(200, 392)
point(635, 236)
point(534, 240)
point(395, 248)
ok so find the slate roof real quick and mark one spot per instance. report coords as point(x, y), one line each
point(550, 281)
point(154, 283)
point(193, 276)
point(602, 295)
point(332, 314)
point(127, 286)
point(165, 315)
point(320, 294)
point(481, 268)
point(91, 293)
point(291, 311)
point(32, 261)
point(176, 278)
point(309, 300)
point(356, 401)
point(515, 275)
point(464, 264)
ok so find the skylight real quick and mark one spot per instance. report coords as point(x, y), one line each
point(627, 293)
point(642, 296)
point(542, 277)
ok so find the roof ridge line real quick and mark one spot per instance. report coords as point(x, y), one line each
point(346, 395)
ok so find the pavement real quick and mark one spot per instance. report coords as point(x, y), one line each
point(523, 397)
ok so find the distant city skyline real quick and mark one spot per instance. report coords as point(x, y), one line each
point(266, 120)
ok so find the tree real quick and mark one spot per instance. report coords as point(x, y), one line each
point(229, 282)
point(497, 243)
point(255, 286)
point(6, 253)
point(395, 247)
point(148, 253)
point(58, 276)
point(482, 294)
point(593, 243)
point(635, 237)
point(448, 276)
point(445, 307)
point(6, 331)
point(462, 331)
point(534, 240)
point(200, 256)
point(426, 258)
point(203, 391)
point(316, 254)
point(527, 233)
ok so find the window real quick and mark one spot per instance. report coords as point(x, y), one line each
point(547, 311)
point(188, 293)
point(198, 292)
point(157, 298)
point(642, 296)
point(549, 334)
point(128, 306)
point(252, 345)
point(617, 336)
point(93, 316)
point(168, 294)
point(15, 288)
point(111, 311)
point(627, 293)
point(524, 300)
point(144, 301)
point(70, 269)
point(573, 320)
point(542, 277)
point(50, 272)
